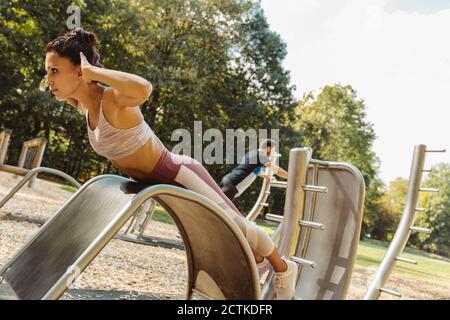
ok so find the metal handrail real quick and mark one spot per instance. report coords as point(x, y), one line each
point(35, 172)
point(404, 229)
point(87, 256)
point(264, 193)
point(294, 206)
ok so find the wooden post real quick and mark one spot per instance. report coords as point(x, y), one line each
point(4, 143)
point(40, 143)
point(38, 158)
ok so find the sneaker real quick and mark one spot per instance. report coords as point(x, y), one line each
point(285, 282)
point(263, 267)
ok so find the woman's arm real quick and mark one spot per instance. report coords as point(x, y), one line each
point(128, 89)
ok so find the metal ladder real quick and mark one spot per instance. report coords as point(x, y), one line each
point(293, 221)
point(406, 226)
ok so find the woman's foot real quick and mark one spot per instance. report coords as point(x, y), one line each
point(285, 282)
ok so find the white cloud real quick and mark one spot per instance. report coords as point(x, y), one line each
point(398, 61)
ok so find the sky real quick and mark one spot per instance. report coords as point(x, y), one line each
point(394, 53)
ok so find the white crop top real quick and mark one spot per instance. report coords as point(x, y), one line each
point(114, 143)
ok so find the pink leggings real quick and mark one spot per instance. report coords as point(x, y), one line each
point(183, 171)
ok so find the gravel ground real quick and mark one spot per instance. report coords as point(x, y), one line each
point(125, 270)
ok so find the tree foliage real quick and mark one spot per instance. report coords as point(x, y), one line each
point(335, 125)
point(437, 214)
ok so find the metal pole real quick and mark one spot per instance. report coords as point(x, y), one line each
point(121, 218)
point(403, 231)
point(264, 193)
point(293, 208)
point(295, 200)
point(33, 173)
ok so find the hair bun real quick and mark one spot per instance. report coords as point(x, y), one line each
point(85, 37)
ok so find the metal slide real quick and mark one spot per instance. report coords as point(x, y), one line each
point(220, 261)
point(333, 248)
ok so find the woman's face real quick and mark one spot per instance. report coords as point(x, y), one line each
point(63, 77)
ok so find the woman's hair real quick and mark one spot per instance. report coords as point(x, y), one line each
point(70, 44)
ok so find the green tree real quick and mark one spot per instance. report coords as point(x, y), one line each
point(334, 124)
point(437, 214)
point(390, 210)
point(215, 61)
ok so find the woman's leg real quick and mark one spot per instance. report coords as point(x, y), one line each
point(193, 176)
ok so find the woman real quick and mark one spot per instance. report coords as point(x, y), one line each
point(117, 130)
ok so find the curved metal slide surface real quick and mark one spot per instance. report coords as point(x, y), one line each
point(333, 249)
point(220, 262)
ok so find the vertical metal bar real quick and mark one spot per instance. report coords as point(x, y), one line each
point(295, 200)
point(312, 210)
point(293, 208)
point(151, 204)
point(140, 215)
point(22, 157)
point(403, 231)
point(131, 223)
point(263, 194)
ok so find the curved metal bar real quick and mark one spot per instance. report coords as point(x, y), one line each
point(113, 227)
point(264, 193)
point(404, 229)
point(49, 221)
point(35, 172)
point(262, 198)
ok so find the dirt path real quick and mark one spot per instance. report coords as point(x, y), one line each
point(125, 270)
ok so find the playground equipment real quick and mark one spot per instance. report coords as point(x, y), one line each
point(406, 226)
point(139, 223)
point(33, 174)
point(30, 156)
point(263, 197)
point(261, 201)
point(220, 262)
point(321, 225)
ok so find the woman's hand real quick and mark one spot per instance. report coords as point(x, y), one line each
point(86, 68)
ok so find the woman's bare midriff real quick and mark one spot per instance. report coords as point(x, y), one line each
point(140, 164)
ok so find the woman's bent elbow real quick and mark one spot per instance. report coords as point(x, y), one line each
point(148, 89)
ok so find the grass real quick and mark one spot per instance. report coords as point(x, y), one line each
point(371, 252)
point(161, 215)
point(429, 266)
point(69, 188)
